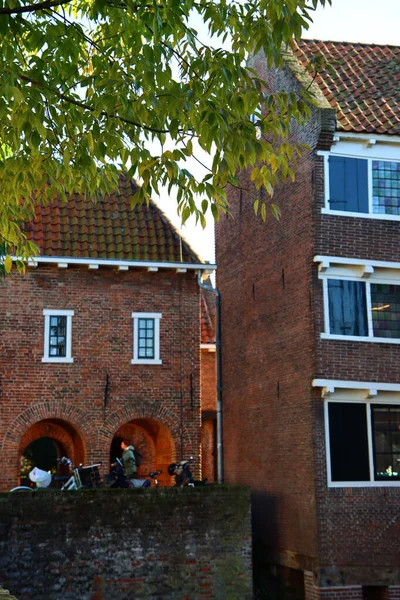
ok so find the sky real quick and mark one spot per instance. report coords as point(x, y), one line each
point(370, 21)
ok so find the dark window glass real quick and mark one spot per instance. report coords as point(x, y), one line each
point(385, 301)
point(386, 187)
point(348, 441)
point(386, 440)
point(146, 338)
point(347, 307)
point(348, 184)
point(58, 336)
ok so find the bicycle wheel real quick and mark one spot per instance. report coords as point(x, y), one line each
point(22, 488)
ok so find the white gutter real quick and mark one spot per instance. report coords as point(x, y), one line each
point(104, 262)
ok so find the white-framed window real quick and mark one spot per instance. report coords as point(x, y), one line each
point(361, 310)
point(363, 184)
point(146, 338)
point(362, 442)
point(361, 299)
point(57, 336)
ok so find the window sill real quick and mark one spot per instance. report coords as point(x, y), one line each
point(363, 484)
point(344, 213)
point(64, 359)
point(355, 338)
point(145, 361)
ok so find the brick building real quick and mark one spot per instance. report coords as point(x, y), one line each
point(101, 339)
point(311, 333)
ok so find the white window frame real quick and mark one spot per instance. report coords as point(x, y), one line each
point(57, 313)
point(367, 272)
point(146, 361)
point(381, 153)
point(372, 482)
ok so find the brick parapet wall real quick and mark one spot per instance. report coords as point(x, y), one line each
point(167, 544)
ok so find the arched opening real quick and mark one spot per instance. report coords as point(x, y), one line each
point(153, 440)
point(44, 443)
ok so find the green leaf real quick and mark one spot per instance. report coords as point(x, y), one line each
point(7, 263)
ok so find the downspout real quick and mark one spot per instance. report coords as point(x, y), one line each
point(220, 457)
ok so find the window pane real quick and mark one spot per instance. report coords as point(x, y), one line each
point(57, 336)
point(348, 184)
point(347, 307)
point(146, 338)
point(348, 441)
point(386, 187)
point(386, 439)
point(385, 300)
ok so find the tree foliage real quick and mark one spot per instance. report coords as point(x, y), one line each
point(90, 87)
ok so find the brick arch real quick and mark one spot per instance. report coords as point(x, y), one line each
point(56, 430)
point(141, 410)
point(46, 411)
point(75, 420)
point(154, 428)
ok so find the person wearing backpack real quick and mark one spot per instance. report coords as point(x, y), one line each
point(128, 459)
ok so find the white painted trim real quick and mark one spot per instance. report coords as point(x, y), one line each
point(146, 361)
point(356, 261)
point(117, 263)
point(52, 312)
point(368, 152)
point(47, 313)
point(370, 442)
point(341, 275)
point(209, 347)
point(327, 443)
point(355, 338)
point(147, 315)
point(356, 385)
point(344, 213)
point(358, 484)
point(326, 307)
point(366, 137)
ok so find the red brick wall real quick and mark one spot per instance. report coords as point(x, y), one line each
point(208, 380)
point(264, 275)
point(73, 395)
point(272, 317)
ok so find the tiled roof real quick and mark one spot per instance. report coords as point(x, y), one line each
point(207, 317)
point(108, 228)
point(362, 83)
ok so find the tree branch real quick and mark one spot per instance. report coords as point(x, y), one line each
point(79, 104)
point(33, 7)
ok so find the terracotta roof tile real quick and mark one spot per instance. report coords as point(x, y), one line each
point(362, 83)
point(108, 228)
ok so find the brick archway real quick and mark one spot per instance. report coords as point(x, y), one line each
point(75, 422)
point(155, 443)
point(156, 431)
point(59, 431)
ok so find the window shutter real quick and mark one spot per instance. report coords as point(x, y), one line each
point(348, 184)
point(348, 441)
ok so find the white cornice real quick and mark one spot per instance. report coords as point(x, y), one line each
point(368, 138)
point(360, 262)
point(369, 390)
point(121, 264)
